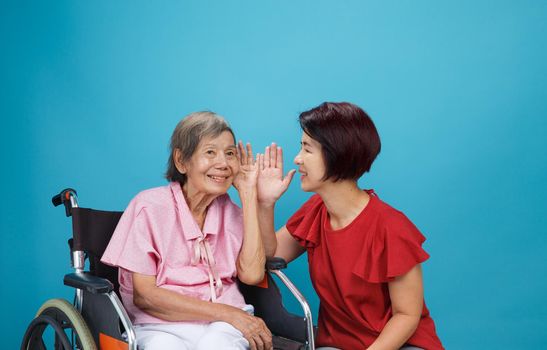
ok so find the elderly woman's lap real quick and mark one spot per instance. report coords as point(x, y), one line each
point(221, 335)
point(189, 336)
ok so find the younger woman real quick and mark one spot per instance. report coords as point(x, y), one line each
point(364, 256)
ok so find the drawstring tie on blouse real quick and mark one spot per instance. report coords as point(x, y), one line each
point(203, 253)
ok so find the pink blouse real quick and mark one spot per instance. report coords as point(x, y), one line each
point(158, 236)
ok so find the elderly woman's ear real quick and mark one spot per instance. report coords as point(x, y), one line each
point(177, 158)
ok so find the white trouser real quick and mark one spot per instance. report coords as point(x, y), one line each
point(190, 336)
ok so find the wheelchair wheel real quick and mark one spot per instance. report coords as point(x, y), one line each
point(71, 331)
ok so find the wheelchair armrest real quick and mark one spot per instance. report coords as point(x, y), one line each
point(88, 282)
point(275, 263)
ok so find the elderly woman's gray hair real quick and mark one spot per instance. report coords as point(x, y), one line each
point(187, 135)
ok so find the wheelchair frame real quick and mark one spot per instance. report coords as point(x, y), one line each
point(91, 290)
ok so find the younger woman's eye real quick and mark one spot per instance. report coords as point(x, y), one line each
point(304, 148)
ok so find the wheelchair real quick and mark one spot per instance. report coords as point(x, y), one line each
point(97, 319)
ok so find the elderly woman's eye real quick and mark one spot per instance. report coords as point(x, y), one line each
point(230, 153)
point(210, 152)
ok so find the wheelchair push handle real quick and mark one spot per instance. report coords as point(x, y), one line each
point(68, 197)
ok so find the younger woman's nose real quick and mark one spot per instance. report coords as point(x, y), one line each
point(298, 159)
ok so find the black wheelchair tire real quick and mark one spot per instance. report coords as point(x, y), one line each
point(60, 315)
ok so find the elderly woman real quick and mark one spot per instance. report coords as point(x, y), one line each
point(179, 248)
point(364, 256)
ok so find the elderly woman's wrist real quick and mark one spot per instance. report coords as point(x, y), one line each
point(248, 194)
point(226, 313)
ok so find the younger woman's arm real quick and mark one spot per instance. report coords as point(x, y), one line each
point(286, 246)
point(406, 294)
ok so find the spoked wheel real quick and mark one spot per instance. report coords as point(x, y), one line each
point(71, 331)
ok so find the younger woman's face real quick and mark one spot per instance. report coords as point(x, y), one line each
point(311, 165)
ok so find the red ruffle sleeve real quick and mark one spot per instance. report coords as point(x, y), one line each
point(305, 224)
point(393, 249)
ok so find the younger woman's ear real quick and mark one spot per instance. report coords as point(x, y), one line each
point(177, 158)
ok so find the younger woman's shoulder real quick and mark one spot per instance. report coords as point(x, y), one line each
point(389, 215)
point(310, 209)
point(305, 224)
point(395, 247)
point(312, 202)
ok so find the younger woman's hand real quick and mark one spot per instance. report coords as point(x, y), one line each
point(246, 179)
point(271, 183)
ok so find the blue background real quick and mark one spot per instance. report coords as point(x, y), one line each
point(91, 91)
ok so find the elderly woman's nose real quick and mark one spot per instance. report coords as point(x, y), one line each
point(221, 160)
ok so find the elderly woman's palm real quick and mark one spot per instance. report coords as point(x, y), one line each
point(247, 177)
point(248, 168)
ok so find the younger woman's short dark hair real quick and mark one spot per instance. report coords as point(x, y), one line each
point(348, 138)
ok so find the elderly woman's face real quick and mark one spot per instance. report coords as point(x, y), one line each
point(213, 166)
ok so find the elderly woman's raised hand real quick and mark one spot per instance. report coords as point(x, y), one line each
point(271, 183)
point(246, 179)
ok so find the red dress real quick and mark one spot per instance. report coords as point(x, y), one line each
point(350, 268)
